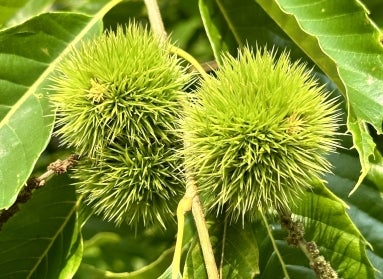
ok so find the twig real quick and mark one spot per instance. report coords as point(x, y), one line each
point(321, 267)
point(191, 201)
point(203, 234)
point(57, 167)
point(191, 188)
point(155, 18)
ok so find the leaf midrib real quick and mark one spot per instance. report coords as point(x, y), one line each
point(52, 65)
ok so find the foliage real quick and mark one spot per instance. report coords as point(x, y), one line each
point(54, 234)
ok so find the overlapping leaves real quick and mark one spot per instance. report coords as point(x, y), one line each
point(28, 55)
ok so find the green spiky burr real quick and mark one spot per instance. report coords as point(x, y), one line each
point(119, 101)
point(258, 134)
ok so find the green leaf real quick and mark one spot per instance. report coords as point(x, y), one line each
point(341, 39)
point(217, 28)
point(168, 274)
point(28, 55)
point(366, 205)
point(8, 9)
point(238, 246)
point(74, 257)
point(126, 252)
point(43, 239)
point(327, 223)
point(375, 176)
point(194, 264)
point(14, 12)
point(294, 260)
point(233, 24)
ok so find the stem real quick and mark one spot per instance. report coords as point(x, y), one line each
point(184, 205)
point(270, 233)
point(204, 239)
point(181, 53)
point(57, 167)
point(159, 29)
point(321, 267)
point(191, 188)
point(191, 201)
point(155, 19)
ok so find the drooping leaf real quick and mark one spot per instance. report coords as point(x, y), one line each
point(43, 239)
point(236, 244)
point(14, 12)
point(340, 38)
point(28, 55)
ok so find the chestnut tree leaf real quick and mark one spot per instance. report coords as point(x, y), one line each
point(341, 39)
point(327, 223)
point(28, 55)
point(294, 261)
point(345, 229)
point(43, 240)
point(365, 206)
point(333, 221)
point(14, 12)
point(232, 24)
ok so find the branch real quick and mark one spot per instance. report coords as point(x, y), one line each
point(57, 167)
point(318, 263)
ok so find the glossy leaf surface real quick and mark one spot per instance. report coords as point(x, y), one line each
point(42, 240)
